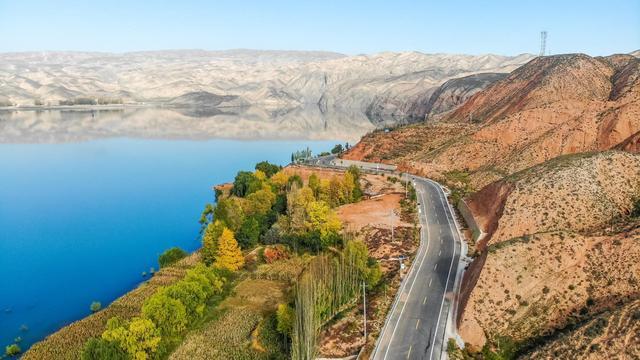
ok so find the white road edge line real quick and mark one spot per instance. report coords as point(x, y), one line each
point(435, 333)
point(410, 288)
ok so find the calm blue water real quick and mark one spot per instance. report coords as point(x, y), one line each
point(81, 221)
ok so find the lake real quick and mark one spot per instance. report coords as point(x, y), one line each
point(87, 203)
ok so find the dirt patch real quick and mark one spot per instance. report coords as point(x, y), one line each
point(380, 211)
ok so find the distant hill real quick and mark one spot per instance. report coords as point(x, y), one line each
point(274, 80)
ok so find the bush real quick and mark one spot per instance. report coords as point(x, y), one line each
point(95, 306)
point(12, 350)
point(274, 253)
point(171, 256)
point(97, 348)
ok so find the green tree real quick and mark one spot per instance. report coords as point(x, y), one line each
point(169, 314)
point(171, 256)
point(192, 294)
point(139, 337)
point(249, 232)
point(357, 254)
point(230, 212)
point(229, 255)
point(337, 149)
point(285, 317)
point(352, 182)
point(100, 349)
point(210, 241)
point(207, 214)
point(268, 168)
point(245, 183)
point(314, 184)
point(200, 272)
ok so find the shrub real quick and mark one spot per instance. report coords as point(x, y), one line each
point(12, 350)
point(171, 256)
point(95, 306)
point(275, 253)
point(97, 348)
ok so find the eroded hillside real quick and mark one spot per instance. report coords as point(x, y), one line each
point(549, 107)
point(561, 248)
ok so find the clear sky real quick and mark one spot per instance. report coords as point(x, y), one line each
point(348, 26)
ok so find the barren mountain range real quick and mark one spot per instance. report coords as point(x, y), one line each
point(551, 106)
point(382, 85)
point(548, 158)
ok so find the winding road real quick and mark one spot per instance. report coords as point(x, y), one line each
point(416, 326)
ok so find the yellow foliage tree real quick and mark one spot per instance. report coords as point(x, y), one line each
point(324, 220)
point(297, 202)
point(210, 241)
point(139, 337)
point(280, 179)
point(260, 202)
point(229, 255)
point(260, 175)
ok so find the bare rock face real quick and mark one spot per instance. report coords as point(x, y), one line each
point(429, 103)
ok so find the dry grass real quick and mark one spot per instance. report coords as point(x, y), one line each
point(233, 332)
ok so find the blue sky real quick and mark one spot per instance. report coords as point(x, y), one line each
point(352, 27)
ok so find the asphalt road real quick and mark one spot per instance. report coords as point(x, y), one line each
point(416, 324)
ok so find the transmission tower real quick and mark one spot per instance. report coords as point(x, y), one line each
point(543, 43)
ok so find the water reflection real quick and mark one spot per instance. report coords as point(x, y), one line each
point(69, 125)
